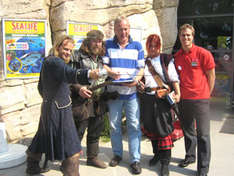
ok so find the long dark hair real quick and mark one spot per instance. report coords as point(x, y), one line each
point(85, 47)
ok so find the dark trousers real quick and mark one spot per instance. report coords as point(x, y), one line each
point(94, 126)
point(155, 146)
point(196, 111)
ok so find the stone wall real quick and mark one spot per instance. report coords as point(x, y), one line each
point(1, 54)
point(166, 12)
point(19, 98)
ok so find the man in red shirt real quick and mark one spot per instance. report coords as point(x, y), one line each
point(196, 68)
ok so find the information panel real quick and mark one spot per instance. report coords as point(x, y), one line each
point(24, 47)
point(78, 31)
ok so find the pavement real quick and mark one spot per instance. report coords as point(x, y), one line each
point(222, 142)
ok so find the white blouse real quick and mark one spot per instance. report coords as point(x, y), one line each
point(149, 80)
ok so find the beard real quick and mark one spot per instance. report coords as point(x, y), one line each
point(96, 50)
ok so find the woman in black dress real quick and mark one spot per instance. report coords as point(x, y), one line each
point(57, 136)
point(154, 108)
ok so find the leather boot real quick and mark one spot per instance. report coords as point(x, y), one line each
point(155, 159)
point(165, 157)
point(70, 166)
point(164, 171)
point(96, 163)
point(92, 159)
point(33, 163)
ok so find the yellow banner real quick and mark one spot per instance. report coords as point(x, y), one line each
point(24, 27)
point(80, 29)
point(20, 75)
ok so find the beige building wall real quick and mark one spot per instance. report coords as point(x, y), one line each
point(19, 98)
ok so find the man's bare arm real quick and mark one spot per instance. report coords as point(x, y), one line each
point(111, 73)
point(211, 78)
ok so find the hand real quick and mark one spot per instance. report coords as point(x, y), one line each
point(113, 74)
point(94, 74)
point(140, 86)
point(85, 93)
point(176, 97)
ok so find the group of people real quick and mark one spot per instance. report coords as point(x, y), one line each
point(190, 74)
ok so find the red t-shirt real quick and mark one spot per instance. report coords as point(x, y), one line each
point(191, 68)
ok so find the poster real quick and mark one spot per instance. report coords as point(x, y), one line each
point(78, 31)
point(224, 42)
point(24, 45)
point(223, 70)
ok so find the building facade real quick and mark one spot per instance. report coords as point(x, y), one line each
point(213, 21)
point(19, 98)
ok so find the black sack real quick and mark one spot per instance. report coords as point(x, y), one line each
point(163, 118)
point(100, 106)
point(80, 111)
point(80, 105)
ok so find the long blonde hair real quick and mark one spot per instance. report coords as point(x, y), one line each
point(59, 42)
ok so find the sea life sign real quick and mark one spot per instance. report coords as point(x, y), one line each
point(78, 31)
point(24, 46)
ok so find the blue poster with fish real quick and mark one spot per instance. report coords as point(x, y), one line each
point(24, 45)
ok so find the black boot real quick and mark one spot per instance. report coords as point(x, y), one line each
point(165, 157)
point(92, 159)
point(33, 161)
point(164, 171)
point(70, 166)
point(33, 167)
point(153, 161)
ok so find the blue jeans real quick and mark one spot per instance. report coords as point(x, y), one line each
point(132, 111)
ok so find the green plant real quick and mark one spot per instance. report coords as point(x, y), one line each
point(105, 136)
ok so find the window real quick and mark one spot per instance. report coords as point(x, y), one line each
point(213, 23)
point(201, 7)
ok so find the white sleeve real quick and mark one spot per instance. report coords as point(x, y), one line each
point(172, 71)
point(106, 60)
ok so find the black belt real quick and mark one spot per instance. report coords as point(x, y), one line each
point(150, 89)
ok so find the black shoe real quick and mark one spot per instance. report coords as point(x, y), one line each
point(33, 168)
point(115, 161)
point(37, 171)
point(186, 162)
point(154, 160)
point(164, 170)
point(201, 174)
point(136, 167)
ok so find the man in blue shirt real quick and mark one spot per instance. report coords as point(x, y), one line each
point(125, 56)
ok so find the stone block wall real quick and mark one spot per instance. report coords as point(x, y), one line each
point(166, 11)
point(19, 98)
point(1, 52)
